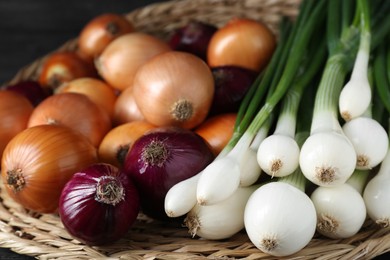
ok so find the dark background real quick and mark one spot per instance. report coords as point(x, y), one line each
point(30, 29)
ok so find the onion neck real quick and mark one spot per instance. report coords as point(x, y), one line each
point(109, 190)
point(326, 101)
point(358, 179)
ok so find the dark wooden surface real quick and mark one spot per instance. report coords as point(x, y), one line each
point(31, 28)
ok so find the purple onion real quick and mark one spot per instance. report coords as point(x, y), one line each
point(194, 38)
point(231, 85)
point(32, 90)
point(99, 204)
point(160, 159)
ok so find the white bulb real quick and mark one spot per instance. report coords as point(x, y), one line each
point(369, 139)
point(278, 155)
point(377, 198)
point(340, 210)
point(279, 219)
point(327, 158)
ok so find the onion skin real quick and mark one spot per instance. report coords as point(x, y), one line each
point(38, 162)
point(241, 42)
point(217, 131)
point(181, 87)
point(75, 111)
point(100, 31)
point(183, 154)
point(97, 90)
point(119, 140)
point(120, 60)
point(15, 111)
point(89, 214)
point(32, 90)
point(63, 66)
point(126, 109)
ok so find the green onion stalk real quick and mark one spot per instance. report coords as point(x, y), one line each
point(222, 177)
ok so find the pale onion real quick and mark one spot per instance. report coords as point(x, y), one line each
point(174, 89)
point(327, 158)
point(278, 155)
point(97, 90)
point(225, 174)
point(75, 111)
point(120, 60)
point(369, 139)
point(280, 219)
point(376, 194)
point(355, 97)
point(100, 31)
point(221, 220)
point(181, 197)
point(341, 211)
point(126, 109)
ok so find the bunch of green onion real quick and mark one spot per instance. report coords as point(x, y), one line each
point(315, 116)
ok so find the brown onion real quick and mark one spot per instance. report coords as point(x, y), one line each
point(63, 66)
point(100, 31)
point(75, 111)
point(241, 42)
point(15, 111)
point(97, 90)
point(126, 109)
point(119, 140)
point(217, 131)
point(38, 162)
point(174, 89)
point(121, 58)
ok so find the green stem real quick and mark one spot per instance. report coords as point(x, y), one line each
point(300, 44)
point(358, 179)
point(325, 111)
point(297, 179)
point(382, 84)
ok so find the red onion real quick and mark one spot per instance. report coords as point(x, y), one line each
point(231, 85)
point(160, 159)
point(99, 204)
point(194, 38)
point(32, 90)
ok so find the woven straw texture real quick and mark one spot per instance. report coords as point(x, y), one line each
point(44, 237)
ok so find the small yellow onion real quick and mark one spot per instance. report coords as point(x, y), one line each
point(241, 42)
point(118, 141)
point(97, 90)
point(217, 131)
point(75, 111)
point(120, 60)
point(126, 109)
point(38, 162)
point(15, 111)
point(100, 31)
point(174, 89)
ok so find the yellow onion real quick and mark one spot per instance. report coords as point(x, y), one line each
point(38, 162)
